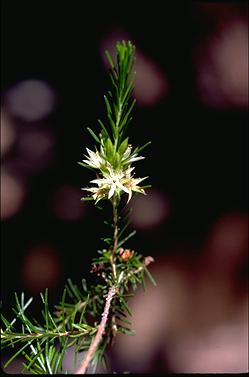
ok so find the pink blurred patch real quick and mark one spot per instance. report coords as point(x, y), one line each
point(41, 268)
point(66, 203)
point(228, 241)
point(35, 150)
point(223, 66)
point(148, 211)
point(13, 192)
point(221, 350)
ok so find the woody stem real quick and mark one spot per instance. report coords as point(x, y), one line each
point(98, 337)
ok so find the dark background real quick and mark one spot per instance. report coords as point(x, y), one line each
point(199, 152)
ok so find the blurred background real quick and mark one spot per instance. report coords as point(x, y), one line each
point(192, 103)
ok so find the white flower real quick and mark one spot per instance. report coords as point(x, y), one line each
point(115, 182)
point(94, 160)
point(133, 157)
point(132, 185)
point(112, 180)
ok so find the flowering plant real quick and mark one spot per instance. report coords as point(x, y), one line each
point(89, 317)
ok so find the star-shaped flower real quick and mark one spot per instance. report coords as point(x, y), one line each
point(94, 160)
point(115, 182)
point(128, 158)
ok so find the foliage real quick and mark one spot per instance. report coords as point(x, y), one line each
point(75, 320)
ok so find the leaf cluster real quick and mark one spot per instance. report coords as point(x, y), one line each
point(119, 105)
point(74, 321)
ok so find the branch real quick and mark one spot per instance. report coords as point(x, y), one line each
point(101, 329)
point(115, 238)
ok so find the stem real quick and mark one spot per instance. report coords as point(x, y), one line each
point(101, 329)
point(115, 244)
point(115, 237)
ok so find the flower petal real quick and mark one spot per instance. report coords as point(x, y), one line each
point(112, 190)
point(136, 158)
point(129, 196)
point(122, 187)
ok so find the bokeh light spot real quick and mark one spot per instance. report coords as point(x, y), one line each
point(66, 203)
point(30, 100)
point(223, 66)
point(228, 240)
point(36, 150)
point(41, 268)
point(151, 84)
point(150, 210)
point(12, 195)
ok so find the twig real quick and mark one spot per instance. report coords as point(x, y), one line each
point(115, 238)
point(101, 329)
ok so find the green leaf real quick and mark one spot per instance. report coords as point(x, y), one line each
point(85, 165)
point(88, 198)
point(40, 358)
point(114, 80)
point(17, 353)
point(108, 106)
point(47, 358)
point(124, 320)
point(144, 285)
point(7, 323)
point(116, 160)
point(125, 305)
point(150, 276)
point(32, 361)
point(125, 119)
point(108, 55)
point(128, 92)
point(74, 289)
point(126, 238)
point(139, 149)
point(45, 312)
point(107, 240)
point(61, 355)
point(109, 149)
point(20, 314)
point(104, 130)
point(123, 229)
point(94, 135)
point(125, 330)
point(123, 147)
point(109, 59)
point(113, 126)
